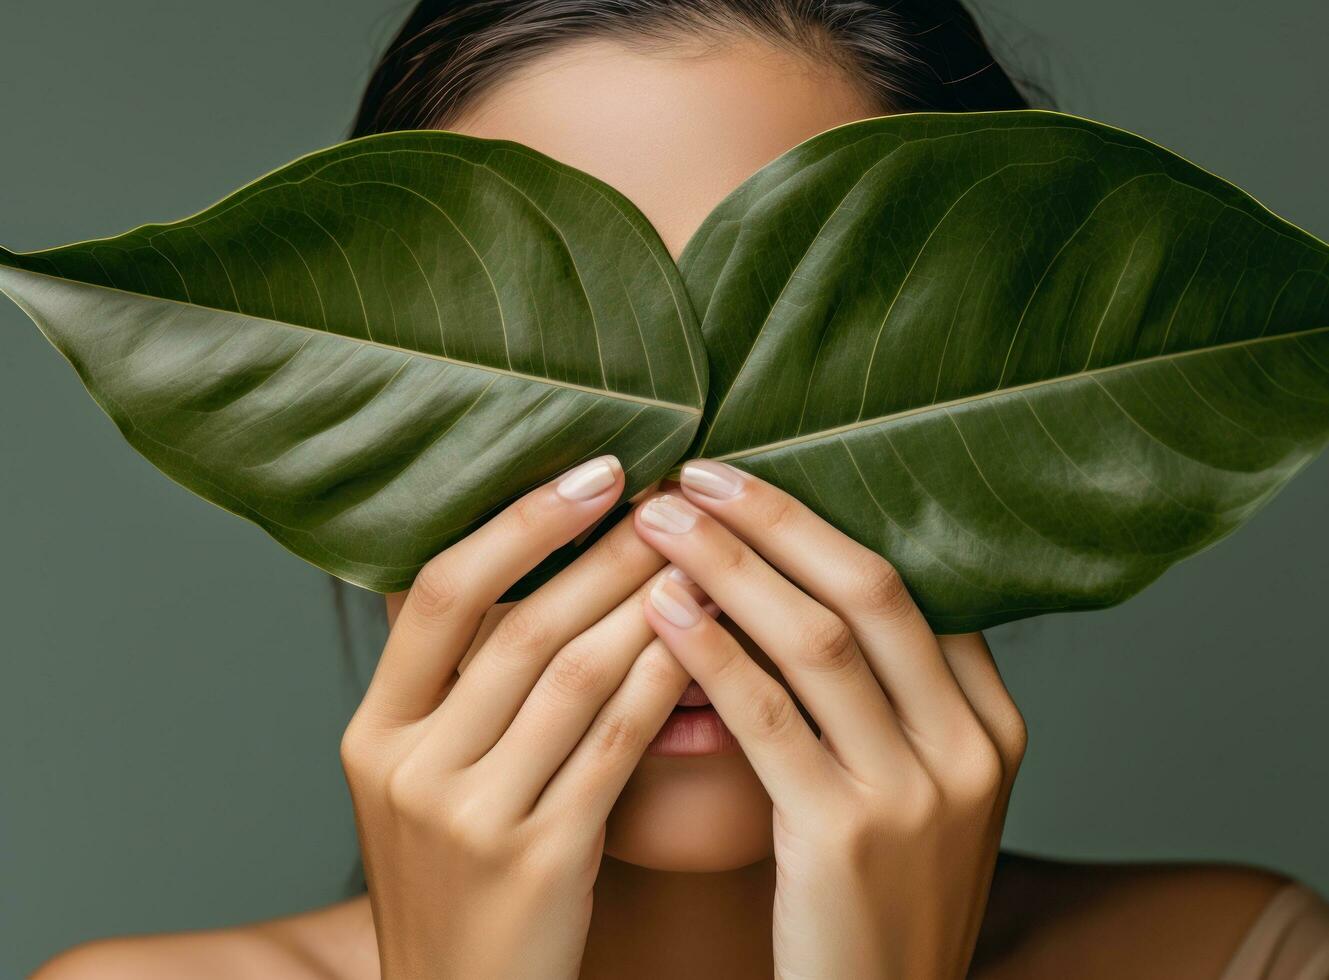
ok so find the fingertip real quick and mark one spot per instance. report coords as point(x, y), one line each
point(592, 479)
point(710, 480)
point(677, 574)
point(680, 576)
point(666, 515)
point(671, 601)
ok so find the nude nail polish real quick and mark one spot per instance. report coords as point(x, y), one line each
point(590, 479)
point(668, 514)
point(712, 479)
point(673, 603)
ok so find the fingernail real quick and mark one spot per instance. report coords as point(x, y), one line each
point(590, 479)
point(668, 514)
point(686, 580)
point(712, 479)
point(673, 603)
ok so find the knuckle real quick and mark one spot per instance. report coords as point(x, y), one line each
point(828, 644)
point(730, 662)
point(731, 665)
point(617, 734)
point(409, 795)
point(524, 516)
point(526, 630)
point(434, 593)
point(772, 713)
point(881, 589)
point(559, 856)
point(777, 511)
point(977, 775)
point(1012, 737)
point(574, 674)
point(472, 828)
point(732, 559)
point(857, 830)
point(919, 808)
point(658, 669)
point(546, 862)
point(357, 754)
point(915, 807)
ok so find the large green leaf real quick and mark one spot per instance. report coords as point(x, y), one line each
point(368, 351)
point(1032, 359)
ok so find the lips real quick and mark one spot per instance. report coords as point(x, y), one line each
point(693, 697)
point(693, 728)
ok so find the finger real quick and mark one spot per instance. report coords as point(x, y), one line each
point(974, 668)
point(507, 664)
point(976, 671)
point(813, 648)
point(846, 577)
point(556, 714)
point(784, 753)
point(594, 773)
point(445, 604)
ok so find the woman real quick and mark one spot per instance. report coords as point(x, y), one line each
point(724, 741)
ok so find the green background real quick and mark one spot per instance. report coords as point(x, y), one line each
point(172, 687)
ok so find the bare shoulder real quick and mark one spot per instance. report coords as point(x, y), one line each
point(1049, 919)
point(331, 943)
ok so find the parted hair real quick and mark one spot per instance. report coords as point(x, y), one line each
point(908, 55)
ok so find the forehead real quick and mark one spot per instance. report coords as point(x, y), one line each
point(674, 130)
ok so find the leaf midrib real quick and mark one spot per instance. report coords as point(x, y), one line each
point(999, 392)
point(505, 372)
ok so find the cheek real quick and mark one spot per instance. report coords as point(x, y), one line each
point(691, 814)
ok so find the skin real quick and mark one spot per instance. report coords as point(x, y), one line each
point(510, 823)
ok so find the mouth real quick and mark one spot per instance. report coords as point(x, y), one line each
point(693, 728)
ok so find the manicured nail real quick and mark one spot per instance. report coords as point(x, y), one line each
point(672, 602)
point(712, 479)
point(668, 514)
point(590, 479)
point(686, 580)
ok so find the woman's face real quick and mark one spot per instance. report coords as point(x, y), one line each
point(675, 130)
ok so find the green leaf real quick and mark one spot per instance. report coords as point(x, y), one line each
point(1031, 359)
point(370, 350)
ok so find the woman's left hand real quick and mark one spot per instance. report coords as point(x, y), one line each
point(886, 827)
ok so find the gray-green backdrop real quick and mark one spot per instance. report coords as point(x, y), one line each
point(171, 687)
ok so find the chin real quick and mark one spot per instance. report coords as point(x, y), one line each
point(691, 813)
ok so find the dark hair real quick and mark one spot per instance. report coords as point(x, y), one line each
point(909, 55)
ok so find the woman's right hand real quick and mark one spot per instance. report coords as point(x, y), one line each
point(481, 796)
